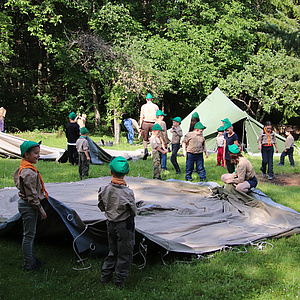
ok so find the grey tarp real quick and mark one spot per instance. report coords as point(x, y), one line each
point(178, 216)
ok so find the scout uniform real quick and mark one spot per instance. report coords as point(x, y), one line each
point(176, 136)
point(220, 146)
point(195, 147)
point(156, 143)
point(82, 145)
point(72, 134)
point(118, 202)
point(267, 151)
point(288, 149)
point(31, 192)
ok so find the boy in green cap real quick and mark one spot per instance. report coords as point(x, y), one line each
point(193, 146)
point(118, 202)
point(158, 149)
point(220, 146)
point(176, 136)
point(83, 148)
point(72, 134)
point(32, 193)
point(160, 115)
point(195, 119)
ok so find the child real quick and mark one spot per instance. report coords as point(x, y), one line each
point(195, 119)
point(176, 136)
point(31, 192)
point(220, 146)
point(193, 146)
point(83, 148)
point(158, 149)
point(72, 134)
point(289, 148)
point(244, 178)
point(118, 202)
point(163, 134)
point(266, 140)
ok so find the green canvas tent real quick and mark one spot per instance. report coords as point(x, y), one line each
point(218, 106)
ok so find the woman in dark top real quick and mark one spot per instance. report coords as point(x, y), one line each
point(230, 139)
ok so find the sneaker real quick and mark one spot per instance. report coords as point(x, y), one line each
point(280, 165)
point(145, 154)
point(178, 172)
point(270, 177)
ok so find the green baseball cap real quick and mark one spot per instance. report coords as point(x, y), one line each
point(234, 149)
point(119, 166)
point(149, 96)
point(84, 131)
point(225, 120)
point(160, 113)
point(221, 128)
point(156, 126)
point(199, 125)
point(227, 124)
point(27, 145)
point(72, 116)
point(195, 115)
point(177, 119)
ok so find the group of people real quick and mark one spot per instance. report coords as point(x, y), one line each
point(117, 200)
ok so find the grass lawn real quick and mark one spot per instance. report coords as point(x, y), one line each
point(244, 273)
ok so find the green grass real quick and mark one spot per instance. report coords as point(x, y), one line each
point(254, 274)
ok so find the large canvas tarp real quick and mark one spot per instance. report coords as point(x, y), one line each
point(176, 215)
point(218, 106)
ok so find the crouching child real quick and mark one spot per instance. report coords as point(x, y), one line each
point(118, 202)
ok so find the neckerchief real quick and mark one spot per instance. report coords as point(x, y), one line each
point(118, 181)
point(27, 165)
point(268, 135)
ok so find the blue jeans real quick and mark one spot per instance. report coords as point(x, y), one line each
point(130, 134)
point(175, 148)
point(29, 219)
point(164, 161)
point(190, 160)
point(267, 159)
point(289, 152)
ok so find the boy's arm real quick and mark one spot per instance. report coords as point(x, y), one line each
point(100, 201)
point(205, 150)
point(184, 148)
point(87, 155)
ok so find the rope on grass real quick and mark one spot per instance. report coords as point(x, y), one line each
point(143, 248)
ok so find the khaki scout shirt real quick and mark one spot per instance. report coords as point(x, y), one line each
point(148, 112)
point(289, 142)
point(220, 141)
point(117, 201)
point(155, 142)
point(263, 138)
point(244, 171)
point(176, 135)
point(30, 188)
point(194, 143)
point(163, 134)
point(82, 145)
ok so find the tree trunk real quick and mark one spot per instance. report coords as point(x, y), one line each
point(116, 128)
point(96, 106)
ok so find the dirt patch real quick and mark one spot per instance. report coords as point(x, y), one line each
point(282, 179)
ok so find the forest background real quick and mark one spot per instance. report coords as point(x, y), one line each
point(103, 57)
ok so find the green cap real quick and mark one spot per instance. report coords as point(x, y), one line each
point(225, 120)
point(177, 119)
point(160, 113)
point(156, 126)
point(221, 128)
point(234, 149)
point(119, 166)
point(227, 124)
point(199, 125)
point(84, 131)
point(149, 96)
point(72, 116)
point(27, 145)
point(195, 115)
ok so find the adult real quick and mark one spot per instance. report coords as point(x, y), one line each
point(195, 119)
point(130, 132)
point(230, 139)
point(266, 143)
point(147, 120)
point(2, 116)
point(72, 133)
point(244, 179)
